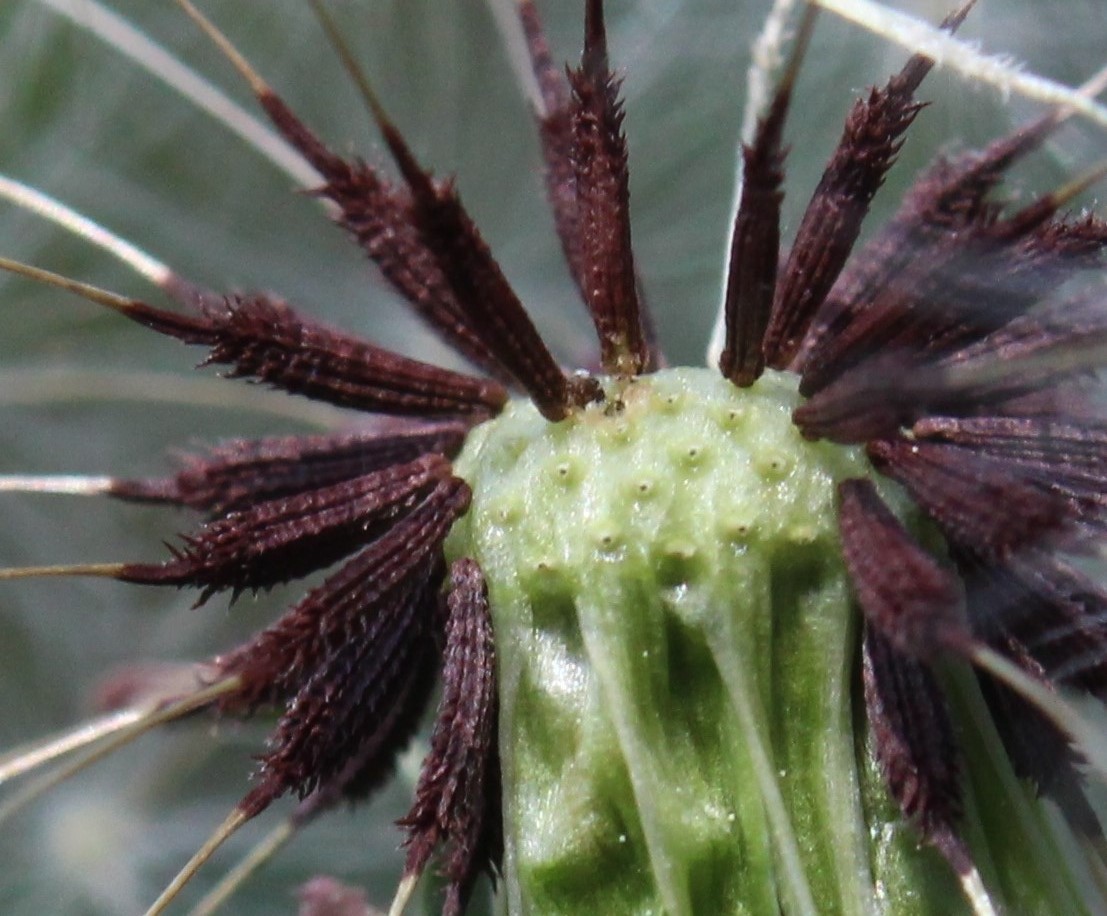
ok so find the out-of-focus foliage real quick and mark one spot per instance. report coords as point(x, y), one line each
point(92, 129)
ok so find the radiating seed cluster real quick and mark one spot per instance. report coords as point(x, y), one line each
point(634, 584)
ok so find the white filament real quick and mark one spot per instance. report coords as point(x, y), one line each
point(117, 32)
point(24, 760)
point(1088, 739)
point(222, 833)
point(403, 895)
point(62, 484)
point(973, 887)
point(505, 13)
point(767, 57)
point(946, 51)
point(226, 886)
point(42, 204)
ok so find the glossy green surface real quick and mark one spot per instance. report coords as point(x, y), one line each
point(676, 649)
point(681, 729)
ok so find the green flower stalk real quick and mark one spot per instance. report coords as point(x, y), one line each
point(658, 650)
point(654, 647)
point(793, 633)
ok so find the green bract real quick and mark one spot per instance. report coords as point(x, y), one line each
point(678, 659)
point(656, 569)
point(662, 573)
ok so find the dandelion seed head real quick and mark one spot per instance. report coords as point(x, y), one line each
point(635, 582)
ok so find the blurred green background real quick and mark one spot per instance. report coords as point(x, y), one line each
point(107, 138)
